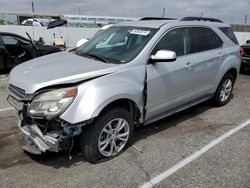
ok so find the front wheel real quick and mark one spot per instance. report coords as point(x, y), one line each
point(224, 91)
point(108, 135)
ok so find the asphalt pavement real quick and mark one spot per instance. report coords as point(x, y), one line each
point(163, 144)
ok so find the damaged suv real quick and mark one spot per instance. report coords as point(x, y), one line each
point(133, 73)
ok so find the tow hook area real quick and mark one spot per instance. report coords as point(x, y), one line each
point(31, 148)
point(37, 142)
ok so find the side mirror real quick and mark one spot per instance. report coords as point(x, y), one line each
point(248, 41)
point(163, 56)
point(81, 42)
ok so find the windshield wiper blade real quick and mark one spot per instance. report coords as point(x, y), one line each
point(100, 58)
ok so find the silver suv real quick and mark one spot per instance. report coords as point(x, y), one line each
point(133, 73)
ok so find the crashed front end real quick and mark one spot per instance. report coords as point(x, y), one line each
point(40, 118)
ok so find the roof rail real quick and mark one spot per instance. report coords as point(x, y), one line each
point(156, 18)
point(201, 19)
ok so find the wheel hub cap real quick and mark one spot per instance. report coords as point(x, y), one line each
point(226, 90)
point(113, 137)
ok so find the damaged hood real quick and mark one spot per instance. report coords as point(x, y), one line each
point(58, 68)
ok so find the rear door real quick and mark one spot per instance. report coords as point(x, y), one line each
point(208, 55)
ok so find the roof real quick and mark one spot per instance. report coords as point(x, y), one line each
point(146, 23)
point(160, 23)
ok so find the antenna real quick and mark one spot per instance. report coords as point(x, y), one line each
point(163, 12)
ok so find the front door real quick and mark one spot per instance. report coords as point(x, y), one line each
point(170, 84)
point(17, 50)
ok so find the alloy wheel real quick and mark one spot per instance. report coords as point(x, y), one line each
point(113, 137)
point(226, 90)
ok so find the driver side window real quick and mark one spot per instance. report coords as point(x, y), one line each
point(176, 40)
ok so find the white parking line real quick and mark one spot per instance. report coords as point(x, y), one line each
point(6, 109)
point(189, 159)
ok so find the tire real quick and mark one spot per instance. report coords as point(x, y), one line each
point(224, 91)
point(102, 135)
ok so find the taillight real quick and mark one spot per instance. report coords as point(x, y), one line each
point(241, 51)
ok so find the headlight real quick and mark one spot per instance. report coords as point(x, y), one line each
point(53, 103)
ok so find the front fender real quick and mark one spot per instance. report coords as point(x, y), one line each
point(93, 96)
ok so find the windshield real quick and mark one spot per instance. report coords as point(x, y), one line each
point(117, 44)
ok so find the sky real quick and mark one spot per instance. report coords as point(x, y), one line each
point(231, 11)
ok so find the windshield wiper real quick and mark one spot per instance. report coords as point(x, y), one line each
point(100, 58)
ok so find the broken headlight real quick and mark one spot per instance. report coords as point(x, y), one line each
point(52, 103)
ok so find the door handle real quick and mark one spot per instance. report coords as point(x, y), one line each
point(188, 65)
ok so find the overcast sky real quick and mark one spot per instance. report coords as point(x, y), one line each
point(227, 10)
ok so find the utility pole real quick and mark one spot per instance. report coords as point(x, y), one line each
point(79, 11)
point(33, 10)
point(163, 12)
point(201, 14)
point(245, 19)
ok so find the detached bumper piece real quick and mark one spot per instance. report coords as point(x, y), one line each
point(37, 142)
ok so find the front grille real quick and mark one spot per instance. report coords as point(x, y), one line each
point(17, 92)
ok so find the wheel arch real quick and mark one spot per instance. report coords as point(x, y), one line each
point(126, 103)
point(232, 71)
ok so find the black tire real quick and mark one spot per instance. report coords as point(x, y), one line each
point(90, 136)
point(217, 99)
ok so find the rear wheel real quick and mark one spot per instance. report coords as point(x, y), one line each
point(108, 136)
point(224, 91)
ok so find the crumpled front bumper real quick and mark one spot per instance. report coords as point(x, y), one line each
point(37, 142)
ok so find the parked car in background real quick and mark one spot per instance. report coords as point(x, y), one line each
point(133, 73)
point(31, 22)
point(245, 58)
point(15, 49)
point(82, 41)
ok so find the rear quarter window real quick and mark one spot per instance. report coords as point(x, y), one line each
point(205, 39)
point(229, 33)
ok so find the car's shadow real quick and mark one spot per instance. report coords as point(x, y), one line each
point(159, 126)
point(58, 160)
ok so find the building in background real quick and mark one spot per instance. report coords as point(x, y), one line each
point(240, 27)
point(14, 18)
point(85, 21)
point(93, 21)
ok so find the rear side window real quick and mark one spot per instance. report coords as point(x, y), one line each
point(230, 34)
point(204, 39)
